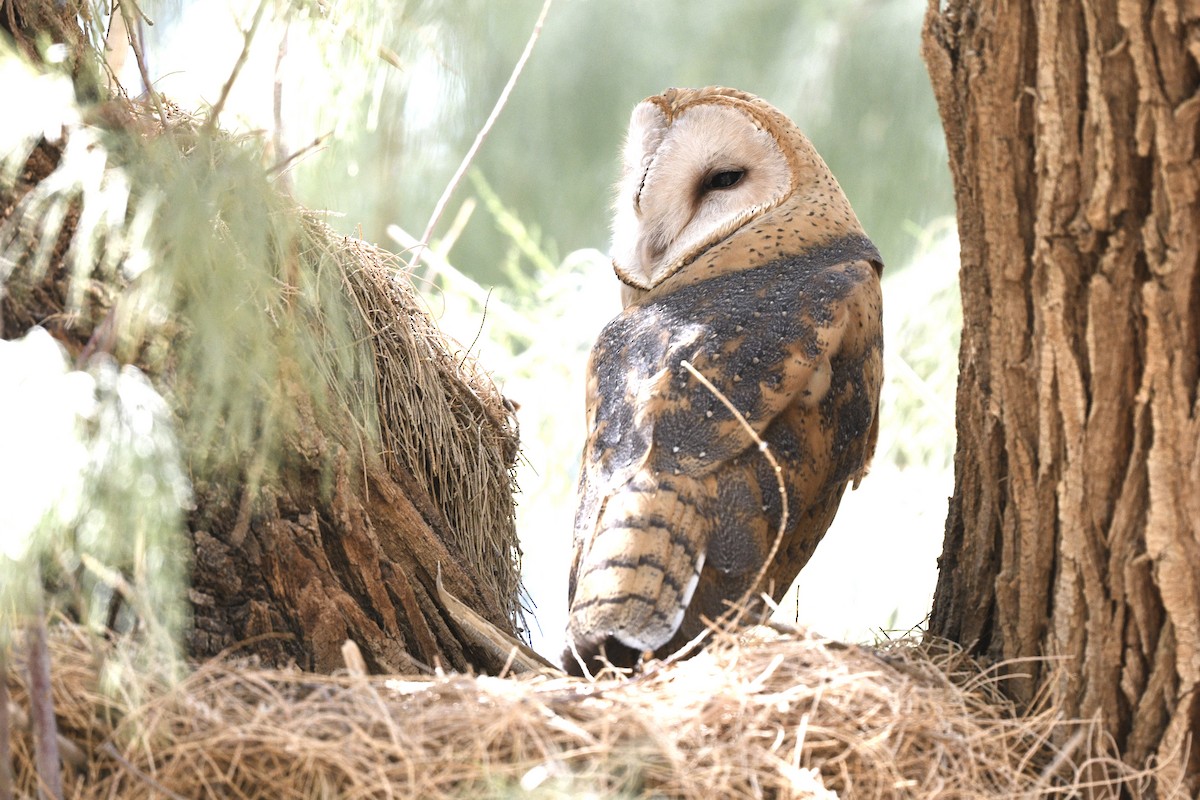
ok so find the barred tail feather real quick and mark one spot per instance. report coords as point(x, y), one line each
point(637, 578)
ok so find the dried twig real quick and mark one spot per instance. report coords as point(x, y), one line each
point(517, 654)
point(501, 101)
point(135, 44)
point(12, 20)
point(41, 706)
point(284, 163)
point(278, 140)
point(6, 775)
point(733, 615)
point(247, 40)
point(112, 753)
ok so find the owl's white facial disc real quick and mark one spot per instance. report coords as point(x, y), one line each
point(687, 184)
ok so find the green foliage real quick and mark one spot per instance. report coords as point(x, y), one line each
point(258, 331)
point(184, 257)
point(92, 490)
point(848, 73)
point(92, 493)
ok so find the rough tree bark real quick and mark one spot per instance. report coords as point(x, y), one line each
point(1073, 530)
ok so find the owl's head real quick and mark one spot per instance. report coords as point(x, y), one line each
point(702, 164)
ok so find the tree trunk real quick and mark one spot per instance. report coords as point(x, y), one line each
point(1073, 530)
point(293, 571)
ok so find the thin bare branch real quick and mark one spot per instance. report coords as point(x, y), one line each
point(6, 773)
point(283, 164)
point(501, 101)
point(112, 753)
point(41, 706)
point(732, 616)
point(247, 40)
point(278, 139)
point(132, 27)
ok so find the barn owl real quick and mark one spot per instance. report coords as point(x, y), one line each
point(738, 252)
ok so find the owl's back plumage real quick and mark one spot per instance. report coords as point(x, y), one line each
point(772, 292)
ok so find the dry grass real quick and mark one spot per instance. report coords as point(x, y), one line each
point(767, 715)
point(442, 420)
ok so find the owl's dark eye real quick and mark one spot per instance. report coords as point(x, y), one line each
point(723, 179)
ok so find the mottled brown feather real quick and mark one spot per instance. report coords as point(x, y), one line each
point(784, 316)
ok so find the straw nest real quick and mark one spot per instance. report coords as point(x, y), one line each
point(767, 715)
point(442, 419)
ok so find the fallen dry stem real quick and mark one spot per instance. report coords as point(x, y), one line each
point(460, 462)
point(501, 101)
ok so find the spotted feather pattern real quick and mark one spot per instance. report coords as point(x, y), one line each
point(673, 489)
point(678, 507)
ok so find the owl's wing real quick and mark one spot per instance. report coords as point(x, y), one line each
point(639, 533)
point(805, 378)
point(782, 340)
point(771, 340)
